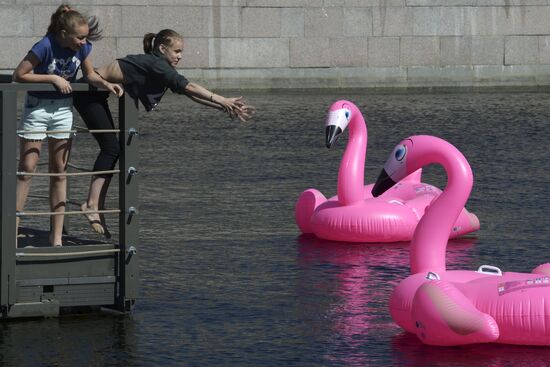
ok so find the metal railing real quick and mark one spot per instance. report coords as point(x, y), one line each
point(125, 251)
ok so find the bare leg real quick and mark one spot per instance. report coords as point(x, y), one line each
point(96, 201)
point(102, 196)
point(28, 159)
point(58, 158)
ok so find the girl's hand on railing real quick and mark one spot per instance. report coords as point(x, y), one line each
point(62, 85)
point(116, 89)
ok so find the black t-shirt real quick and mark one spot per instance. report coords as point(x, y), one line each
point(147, 76)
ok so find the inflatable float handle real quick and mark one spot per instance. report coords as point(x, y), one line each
point(432, 276)
point(489, 269)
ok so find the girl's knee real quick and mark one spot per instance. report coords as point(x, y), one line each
point(109, 156)
point(58, 165)
point(24, 178)
point(25, 166)
point(109, 144)
point(59, 181)
point(58, 169)
point(113, 152)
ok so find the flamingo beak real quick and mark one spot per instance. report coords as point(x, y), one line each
point(332, 133)
point(383, 183)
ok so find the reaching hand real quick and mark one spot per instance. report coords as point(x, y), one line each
point(231, 105)
point(237, 107)
point(246, 112)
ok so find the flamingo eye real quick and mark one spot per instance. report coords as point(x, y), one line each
point(346, 113)
point(400, 153)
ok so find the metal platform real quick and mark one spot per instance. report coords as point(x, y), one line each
point(40, 281)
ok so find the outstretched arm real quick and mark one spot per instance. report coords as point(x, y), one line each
point(234, 106)
point(205, 102)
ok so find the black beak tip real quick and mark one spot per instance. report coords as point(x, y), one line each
point(383, 183)
point(332, 133)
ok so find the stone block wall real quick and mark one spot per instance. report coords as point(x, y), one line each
point(317, 43)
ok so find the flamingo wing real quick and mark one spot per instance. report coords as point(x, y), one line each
point(445, 316)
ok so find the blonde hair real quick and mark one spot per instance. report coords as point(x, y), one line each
point(67, 19)
point(165, 37)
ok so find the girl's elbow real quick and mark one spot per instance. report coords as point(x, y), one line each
point(190, 87)
point(16, 77)
point(19, 76)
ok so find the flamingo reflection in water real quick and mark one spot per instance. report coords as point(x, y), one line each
point(347, 286)
point(408, 350)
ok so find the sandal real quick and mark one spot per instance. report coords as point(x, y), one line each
point(96, 224)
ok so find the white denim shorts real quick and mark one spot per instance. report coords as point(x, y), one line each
point(42, 114)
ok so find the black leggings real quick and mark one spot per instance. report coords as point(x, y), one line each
point(94, 110)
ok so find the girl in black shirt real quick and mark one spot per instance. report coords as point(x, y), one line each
point(145, 77)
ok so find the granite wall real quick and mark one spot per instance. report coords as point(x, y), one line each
point(317, 43)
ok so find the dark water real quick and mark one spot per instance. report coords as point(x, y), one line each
point(227, 280)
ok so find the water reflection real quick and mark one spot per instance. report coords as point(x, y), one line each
point(363, 277)
point(68, 341)
point(408, 351)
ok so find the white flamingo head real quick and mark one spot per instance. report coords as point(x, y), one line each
point(339, 116)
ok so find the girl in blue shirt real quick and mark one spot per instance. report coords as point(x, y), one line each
point(55, 59)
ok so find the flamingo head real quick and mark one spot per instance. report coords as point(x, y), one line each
point(395, 168)
point(339, 116)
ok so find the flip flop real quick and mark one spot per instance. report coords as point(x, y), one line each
point(96, 224)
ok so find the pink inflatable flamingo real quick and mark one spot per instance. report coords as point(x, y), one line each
point(354, 215)
point(459, 307)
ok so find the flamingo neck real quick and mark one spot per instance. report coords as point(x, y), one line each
point(351, 175)
point(429, 243)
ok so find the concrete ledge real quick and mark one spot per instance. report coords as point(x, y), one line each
point(378, 77)
point(450, 76)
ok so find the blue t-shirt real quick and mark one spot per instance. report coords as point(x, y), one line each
point(58, 60)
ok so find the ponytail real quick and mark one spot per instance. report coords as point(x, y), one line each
point(55, 21)
point(152, 42)
point(94, 32)
point(148, 43)
point(67, 19)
